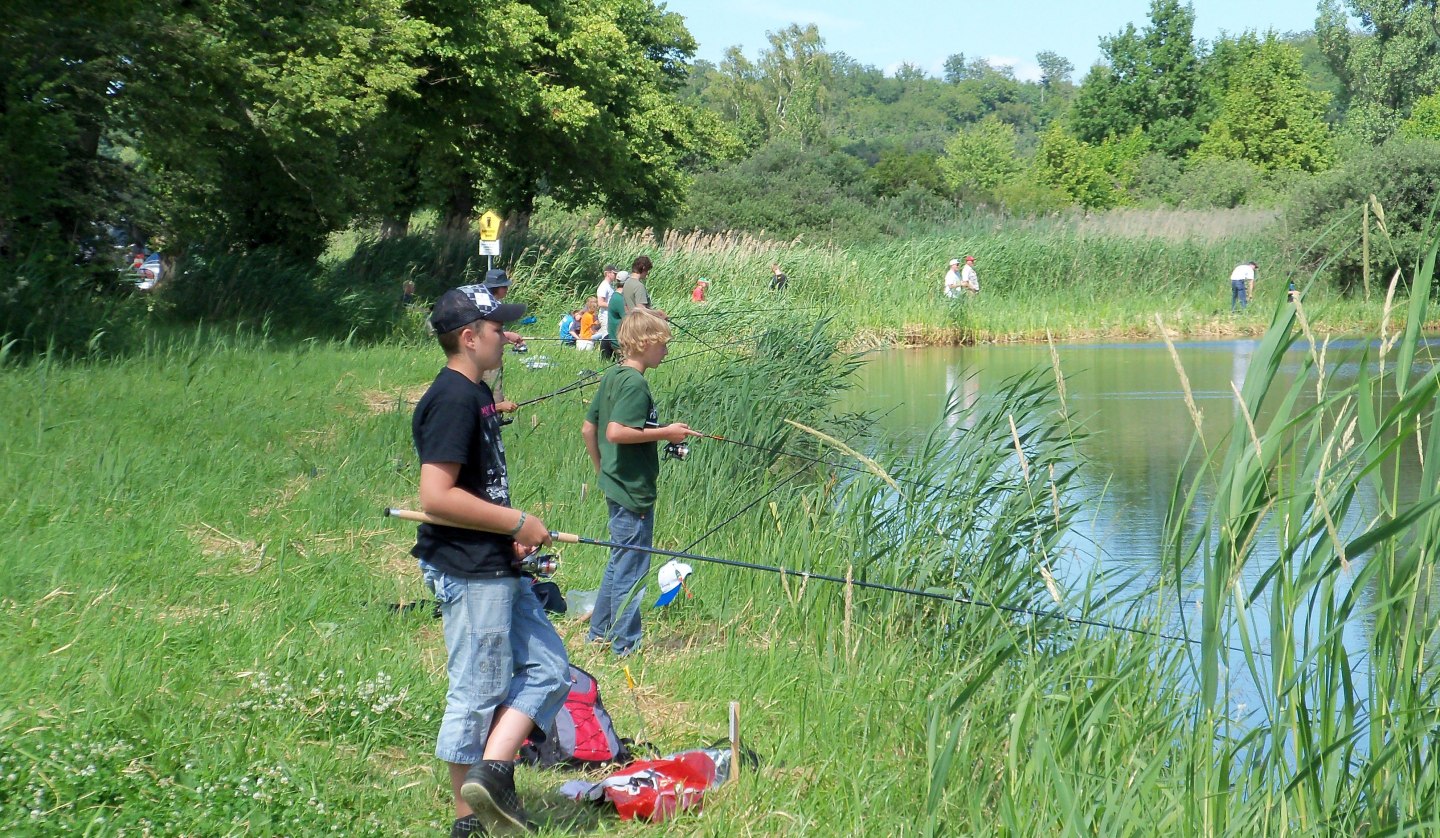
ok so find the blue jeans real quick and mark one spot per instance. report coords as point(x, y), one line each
point(617, 605)
point(501, 650)
point(1237, 293)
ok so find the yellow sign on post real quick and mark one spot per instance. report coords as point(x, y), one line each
point(490, 226)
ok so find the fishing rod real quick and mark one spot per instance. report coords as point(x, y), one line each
point(761, 499)
point(690, 314)
point(693, 335)
point(591, 377)
point(820, 461)
point(587, 377)
point(960, 599)
point(567, 340)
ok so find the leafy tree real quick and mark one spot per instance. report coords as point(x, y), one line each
point(785, 92)
point(1269, 116)
point(230, 121)
point(784, 189)
point(1055, 70)
point(1150, 80)
point(797, 74)
point(578, 101)
point(956, 69)
point(1385, 67)
point(59, 69)
point(981, 157)
point(1424, 120)
point(897, 170)
point(1324, 221)
point(1074, 168)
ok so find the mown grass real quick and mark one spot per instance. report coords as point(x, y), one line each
point(195, 595)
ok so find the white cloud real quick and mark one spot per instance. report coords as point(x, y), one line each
point(1025, 69)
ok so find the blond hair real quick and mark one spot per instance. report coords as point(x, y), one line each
point(640, 330)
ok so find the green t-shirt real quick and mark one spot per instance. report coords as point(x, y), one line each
point(627, 472)
point(615, 308)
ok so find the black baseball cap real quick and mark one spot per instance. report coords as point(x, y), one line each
point(497, 278)
point(464, 305)
point(610, 269)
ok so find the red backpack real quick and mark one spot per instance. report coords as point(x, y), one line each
point(582, 735)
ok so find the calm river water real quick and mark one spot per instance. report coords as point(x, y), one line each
point(1129, 398)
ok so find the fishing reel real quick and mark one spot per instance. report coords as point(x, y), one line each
point(539, 564)
point(519, 348)
point(676, 451)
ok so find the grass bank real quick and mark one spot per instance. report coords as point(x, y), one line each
point(195, 603)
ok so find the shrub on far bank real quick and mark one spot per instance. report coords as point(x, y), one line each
point(1325, 213)
point(785, 189)
point(50, 304)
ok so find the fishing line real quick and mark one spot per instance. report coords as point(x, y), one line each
point(772, 490)
point(690, 314)
point(821, 461)
point(687, 331)
point(572, 538)
point(594, 376)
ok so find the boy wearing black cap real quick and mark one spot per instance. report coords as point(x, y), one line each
point(507, 668)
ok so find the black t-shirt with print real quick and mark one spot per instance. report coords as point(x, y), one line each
point(456, 422)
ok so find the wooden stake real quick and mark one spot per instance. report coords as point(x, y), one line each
point(734, 741)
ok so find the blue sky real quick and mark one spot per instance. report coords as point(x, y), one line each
point(885, 33)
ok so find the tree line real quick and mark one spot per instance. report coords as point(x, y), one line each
point(230, 128)
point(1164, 118)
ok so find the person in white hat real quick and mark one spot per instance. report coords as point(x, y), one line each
point(952, 279)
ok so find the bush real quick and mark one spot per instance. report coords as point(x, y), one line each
point(48, 303)
point(1156, 181)
point(1215, 183)
point(1324, 215)
point(784, 189)
point(1023, 196)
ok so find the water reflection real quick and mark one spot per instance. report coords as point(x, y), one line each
point(1141, 445)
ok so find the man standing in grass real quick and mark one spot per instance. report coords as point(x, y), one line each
point(1242, 284)
point(969, 280)
point(622, 434)
point(636, 295)
point(614, 314)
point(507, 668)
point(952, 279)
point(602, 296)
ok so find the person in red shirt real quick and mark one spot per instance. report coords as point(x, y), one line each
point(701, 286)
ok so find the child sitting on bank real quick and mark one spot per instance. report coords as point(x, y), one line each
point(589, 325)
point(622, 435)
point(569, 325)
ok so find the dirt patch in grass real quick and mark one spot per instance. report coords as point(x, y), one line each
point(389, 401)
point(287, 494)
point(229, 555)
point(190, 613)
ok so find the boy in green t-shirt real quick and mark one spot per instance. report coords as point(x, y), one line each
point(622, 434)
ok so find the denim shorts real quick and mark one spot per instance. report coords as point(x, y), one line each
point(501, 650)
